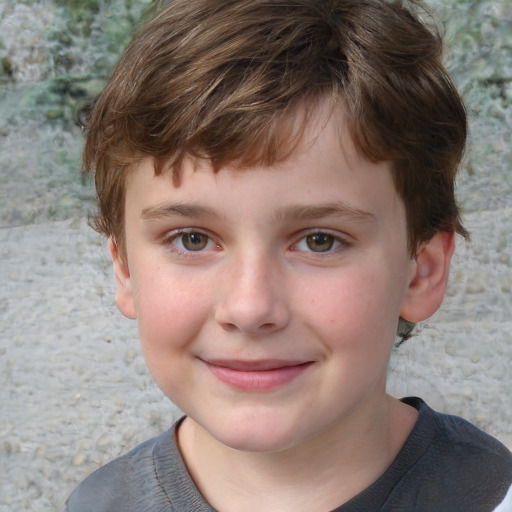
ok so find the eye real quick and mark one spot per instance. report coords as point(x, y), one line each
point(319, 242)
point(191, 241)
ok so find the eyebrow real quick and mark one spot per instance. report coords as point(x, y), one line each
point(298, 212)
point(315, 212)
point(176, 210)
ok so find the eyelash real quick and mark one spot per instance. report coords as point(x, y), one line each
point(170, 241)
point(338, 243)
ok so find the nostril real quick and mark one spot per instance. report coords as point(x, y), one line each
point(253, 313)
point(263, 327)
point(229, 327)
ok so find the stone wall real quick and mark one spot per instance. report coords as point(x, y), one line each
point(74, 390)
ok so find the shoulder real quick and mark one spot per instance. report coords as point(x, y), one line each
point(150, 478)
point(459, 439)
point(506, 504)
point(128, 483)
point(459, 465)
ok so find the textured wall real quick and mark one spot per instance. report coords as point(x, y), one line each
point(74, 391)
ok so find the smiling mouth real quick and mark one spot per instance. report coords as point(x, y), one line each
point(259, 375)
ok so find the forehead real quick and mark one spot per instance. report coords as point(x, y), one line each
point(324, 170)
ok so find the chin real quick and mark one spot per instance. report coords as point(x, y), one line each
point(258, 436)
point(256, 443)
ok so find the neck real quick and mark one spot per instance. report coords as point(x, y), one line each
point(320, 474)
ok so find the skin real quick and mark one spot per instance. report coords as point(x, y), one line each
point(267, 303)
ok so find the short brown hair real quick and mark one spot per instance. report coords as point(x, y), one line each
point(218, 80)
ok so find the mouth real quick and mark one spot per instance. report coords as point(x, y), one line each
point(260, 375)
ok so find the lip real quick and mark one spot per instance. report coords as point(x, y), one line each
point(261, 375)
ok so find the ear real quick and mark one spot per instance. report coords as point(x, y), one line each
point(124, 298)
point(429, 278)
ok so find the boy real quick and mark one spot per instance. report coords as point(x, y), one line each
point(276, 182)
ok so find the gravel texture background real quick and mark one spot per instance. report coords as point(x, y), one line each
point(74, 390)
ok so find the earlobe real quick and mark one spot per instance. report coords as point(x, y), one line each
point(124, 298)
point(427, 286)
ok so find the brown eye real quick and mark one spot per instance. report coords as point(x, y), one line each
point(320, 242)
point(193, 241)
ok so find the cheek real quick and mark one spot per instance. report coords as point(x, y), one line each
point(358, 306)
point(171, 309)
point(172, 312)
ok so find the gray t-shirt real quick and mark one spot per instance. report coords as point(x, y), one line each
point(446, 465)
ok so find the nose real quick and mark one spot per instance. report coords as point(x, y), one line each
point(252, 297)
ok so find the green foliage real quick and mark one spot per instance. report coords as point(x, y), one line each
point(55, 54)
point(479, 56)
point(80, 10)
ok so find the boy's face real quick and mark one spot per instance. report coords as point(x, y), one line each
point(268, 300)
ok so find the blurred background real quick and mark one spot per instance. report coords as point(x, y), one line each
point(74, 391)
